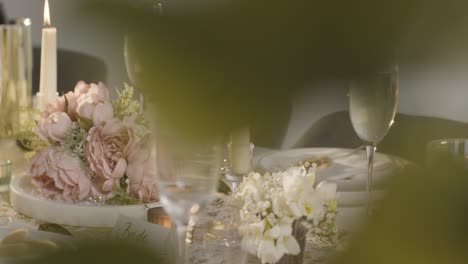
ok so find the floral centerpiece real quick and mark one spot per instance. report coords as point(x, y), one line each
point(271, 204)
point(93, 148)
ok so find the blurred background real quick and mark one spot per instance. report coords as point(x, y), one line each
point(433, 84)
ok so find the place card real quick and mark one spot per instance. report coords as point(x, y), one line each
point(141, 232)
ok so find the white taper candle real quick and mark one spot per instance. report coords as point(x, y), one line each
point(48, 78)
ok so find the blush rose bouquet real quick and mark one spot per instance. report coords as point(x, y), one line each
point(94, 148)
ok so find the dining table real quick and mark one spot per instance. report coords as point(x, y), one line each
point(345, 167)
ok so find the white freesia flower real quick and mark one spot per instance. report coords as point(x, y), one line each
point(250, 188)
point(281, 207)
point(284, 228)
point(300, 194)
point(250, 243)
point(296, 182)
point(327, 190)
point(288, 245)
point(271, 203)
point(267, 251)
point(252, 236)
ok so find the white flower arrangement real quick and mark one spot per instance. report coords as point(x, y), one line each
point(271, 203)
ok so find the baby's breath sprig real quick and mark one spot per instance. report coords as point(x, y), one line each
point(325, 232)
point(126, 106)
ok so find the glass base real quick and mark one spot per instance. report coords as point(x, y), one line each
point(234, 180)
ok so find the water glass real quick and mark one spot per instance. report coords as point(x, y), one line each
point(15, 82)
point(5, 175)
point(451, 149)
point(15, 91)
point(188, 172)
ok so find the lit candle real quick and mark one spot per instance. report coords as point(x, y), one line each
point(240, 155)
point(48, 81)
point(157, 215)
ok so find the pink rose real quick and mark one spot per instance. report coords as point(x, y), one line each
point(69, 177)
point(81, 88)
point(38, 170)
point(82, 95)
point(141, 173)
point(59, 175)
point(97, 113)
point(107, 148)
point(54, 127)
point(98, 92)
point(102, 112)
point(95, 105)
point(95, 93)
point(59, 106)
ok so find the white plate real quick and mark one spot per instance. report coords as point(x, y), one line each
point(347, 169)
point(24, 199)
point(62, 242)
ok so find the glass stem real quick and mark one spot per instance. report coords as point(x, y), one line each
point(181, 257)
point(370, 152)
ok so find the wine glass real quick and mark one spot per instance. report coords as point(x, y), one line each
point(132, 64)
point(372, 107)
point(188, 171)
point(133, 41)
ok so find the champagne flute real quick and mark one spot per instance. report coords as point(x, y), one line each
point(132, 43)
point(372, 108)
point(132, 64)
point(188, 172)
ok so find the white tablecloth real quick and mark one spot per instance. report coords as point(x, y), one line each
point(206, 249)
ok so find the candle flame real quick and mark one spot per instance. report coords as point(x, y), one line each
point(46, 14)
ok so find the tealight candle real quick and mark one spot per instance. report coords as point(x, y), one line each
point(158, 216)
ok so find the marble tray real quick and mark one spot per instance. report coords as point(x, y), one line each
point(25, 199)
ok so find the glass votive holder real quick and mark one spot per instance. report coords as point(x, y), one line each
point(216, 236)
point(5, 175)
point(238, 163)
point(454, 150)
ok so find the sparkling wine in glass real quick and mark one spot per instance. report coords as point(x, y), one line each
point(133, 42)
point(372, 107)
point(188, 174)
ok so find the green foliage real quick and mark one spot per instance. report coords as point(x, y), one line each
point(54, 228)
point(28, 138)
point(121, 197)
point(75, 143)
point(85, 123)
